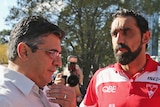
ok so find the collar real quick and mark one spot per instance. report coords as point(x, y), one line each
point(23, 83)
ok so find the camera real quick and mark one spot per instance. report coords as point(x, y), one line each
point(72, 66)
point(72, 79)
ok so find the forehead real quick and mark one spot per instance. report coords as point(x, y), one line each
point(51, 41)
point(72, 59)
point(123, 21)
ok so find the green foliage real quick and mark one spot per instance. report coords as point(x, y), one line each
point(46, 8)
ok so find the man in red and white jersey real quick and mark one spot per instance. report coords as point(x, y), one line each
point(134, 81)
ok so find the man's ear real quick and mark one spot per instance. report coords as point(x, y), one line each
point(146, 37)
point(22, 50)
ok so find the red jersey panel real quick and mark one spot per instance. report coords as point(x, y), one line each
point(111, 87)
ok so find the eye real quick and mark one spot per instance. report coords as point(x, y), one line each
point(114, 33)
point(125, 30)
point(54, 53)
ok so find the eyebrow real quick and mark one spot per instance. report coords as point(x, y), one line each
point(55, 50)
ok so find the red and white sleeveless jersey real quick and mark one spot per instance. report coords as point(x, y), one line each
point(111, 87)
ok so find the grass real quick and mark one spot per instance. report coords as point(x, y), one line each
point(3, 56)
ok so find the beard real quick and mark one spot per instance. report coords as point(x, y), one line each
point(126, 57)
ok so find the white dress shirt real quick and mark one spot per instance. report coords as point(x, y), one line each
point(16, 90)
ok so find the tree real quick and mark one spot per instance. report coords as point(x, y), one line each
point(87, 26)
point(46, 8)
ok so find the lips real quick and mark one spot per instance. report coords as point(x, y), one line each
point(52, 71)
point(122, 49)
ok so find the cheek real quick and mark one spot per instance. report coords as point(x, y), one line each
point(135, 45)
point(41, 65)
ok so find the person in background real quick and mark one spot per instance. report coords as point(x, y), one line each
point(73, 77)
point(134, 81)
point(34, 54)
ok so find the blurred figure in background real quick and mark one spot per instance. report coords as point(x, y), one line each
point(72, 76)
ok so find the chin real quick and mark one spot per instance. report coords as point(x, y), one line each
point(49, 80)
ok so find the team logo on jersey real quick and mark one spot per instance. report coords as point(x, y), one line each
point(109, 89)
point(151, 89)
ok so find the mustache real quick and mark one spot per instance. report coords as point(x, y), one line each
point(121, 45)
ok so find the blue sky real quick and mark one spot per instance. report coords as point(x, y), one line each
point(4, 7)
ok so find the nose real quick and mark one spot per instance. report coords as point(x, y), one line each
point(57, 61)
point(120, 37)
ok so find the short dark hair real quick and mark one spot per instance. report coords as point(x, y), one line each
point(30, 30)
point(142, 23)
